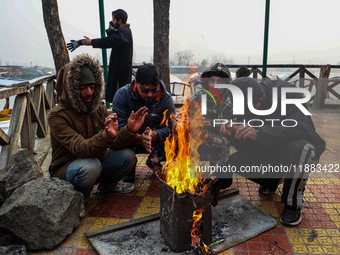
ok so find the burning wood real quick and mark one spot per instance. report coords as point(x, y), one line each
point(185, 198)
point(196, 233)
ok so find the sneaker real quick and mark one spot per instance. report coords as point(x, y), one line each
point(291, 215)
point(267, 190)
point(124, 187)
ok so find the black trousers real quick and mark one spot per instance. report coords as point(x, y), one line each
point(289, 162)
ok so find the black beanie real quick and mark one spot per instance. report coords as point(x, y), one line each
point(217, 69)
point(247, 82)
point(86, 76)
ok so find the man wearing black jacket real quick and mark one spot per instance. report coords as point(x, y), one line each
point(290, 147)
point(119, 39)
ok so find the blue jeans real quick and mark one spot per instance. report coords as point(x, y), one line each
point(84, 173)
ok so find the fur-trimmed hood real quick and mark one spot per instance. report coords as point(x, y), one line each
point(68, 84)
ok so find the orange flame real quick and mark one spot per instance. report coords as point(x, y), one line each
point(181, 153)
point(192, 74)
point(196, 231)
point(164, 120)
point(181, 149)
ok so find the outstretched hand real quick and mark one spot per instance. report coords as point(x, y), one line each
point(111, 125)
point(86, 41)
point(136, 120)
point(74, 44)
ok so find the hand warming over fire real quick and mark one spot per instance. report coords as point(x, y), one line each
point(226, 129)
point(147, 139)
point(245, 132)
point(136, 120)
point(111, 125)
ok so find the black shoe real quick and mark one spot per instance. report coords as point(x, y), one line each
point(267, 190)
point(291, 215)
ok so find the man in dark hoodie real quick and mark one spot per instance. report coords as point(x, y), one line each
point(292, 147)
point(147, 90)
point(86, 144)
point(216, 148)
point(119, 39)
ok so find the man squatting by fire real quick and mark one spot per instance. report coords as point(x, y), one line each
point(273, 144)
point(147, 90)
point(86, 144)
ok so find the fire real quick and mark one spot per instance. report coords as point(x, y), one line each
point(181, 153)
point(193, 74)
point(196, 231)
point(181, 148)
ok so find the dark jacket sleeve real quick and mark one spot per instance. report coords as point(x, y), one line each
point(273, 135)
point(120, 106)
point(304, 129)
point(123, 139)
point(118, 37)
point(75, 142)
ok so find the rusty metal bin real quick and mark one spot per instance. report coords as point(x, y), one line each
point(176, 211)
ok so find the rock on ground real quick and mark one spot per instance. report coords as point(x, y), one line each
point(42, 212)
point(21, 169)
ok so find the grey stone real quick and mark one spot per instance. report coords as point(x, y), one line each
point(21, 169)
point(42, 212)
point(13, 250)
point(7, 238)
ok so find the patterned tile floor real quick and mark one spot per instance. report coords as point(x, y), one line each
point(318, 233)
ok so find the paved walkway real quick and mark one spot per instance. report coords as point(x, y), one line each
point(318, 233)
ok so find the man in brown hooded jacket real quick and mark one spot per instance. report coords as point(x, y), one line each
point(86, 144)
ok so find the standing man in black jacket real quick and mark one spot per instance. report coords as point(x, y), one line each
point(119, 39)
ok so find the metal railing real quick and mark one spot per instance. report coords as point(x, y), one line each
point(33, 103)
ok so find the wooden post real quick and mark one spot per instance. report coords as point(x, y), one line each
point(39, 105)
point(254, 71)
point(14, 129)
point(321, 87)
point(7, 103)
point(27, 141)
point(302, 77)
point(50, 92)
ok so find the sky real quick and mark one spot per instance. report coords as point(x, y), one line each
point(300, 31)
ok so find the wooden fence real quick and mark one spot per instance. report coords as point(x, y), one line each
point(29, 116)
point(323, 84)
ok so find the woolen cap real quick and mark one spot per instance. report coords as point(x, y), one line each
point(217, 69)
point(247, 82)
point(86, 76)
